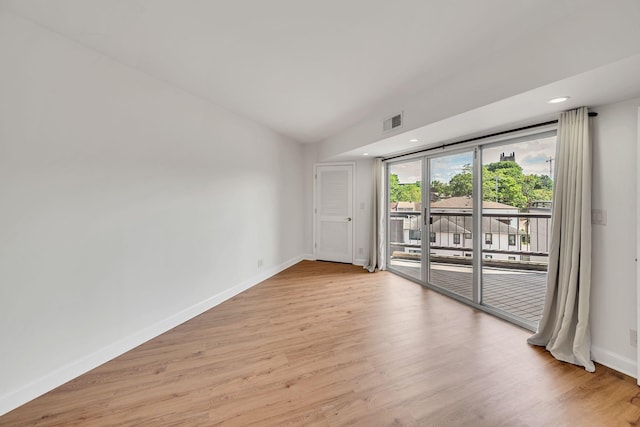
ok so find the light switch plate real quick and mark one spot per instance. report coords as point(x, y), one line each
point(599, 216)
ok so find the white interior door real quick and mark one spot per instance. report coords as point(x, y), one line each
point(333, 213)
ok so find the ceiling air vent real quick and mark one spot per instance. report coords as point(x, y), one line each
point(393, 122)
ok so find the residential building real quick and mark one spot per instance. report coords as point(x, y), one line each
point(450, 232)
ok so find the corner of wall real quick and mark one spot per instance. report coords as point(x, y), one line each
point(614, 361)
point(12, 400)
point(637, 242)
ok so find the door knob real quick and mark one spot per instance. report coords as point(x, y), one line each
point(349, 219)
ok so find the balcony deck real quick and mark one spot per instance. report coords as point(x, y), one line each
point(518, 292)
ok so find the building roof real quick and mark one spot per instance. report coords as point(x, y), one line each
point(408, 205)
point(447, 224)
point(465, 202)
point(463, 224)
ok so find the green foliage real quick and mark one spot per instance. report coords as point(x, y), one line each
point(403, 192)
point(513, 187)
point(509, 167)
point(462, 183)
point(440, 188)
point(537, 187)
point(503, 182)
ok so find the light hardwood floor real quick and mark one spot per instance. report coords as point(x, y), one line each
point(329, 344)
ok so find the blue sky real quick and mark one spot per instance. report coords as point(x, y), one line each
point(531, 155)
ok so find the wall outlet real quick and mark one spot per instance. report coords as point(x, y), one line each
point(260, 263)
point(633, 338)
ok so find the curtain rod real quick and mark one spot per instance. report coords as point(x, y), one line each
point(439, 147)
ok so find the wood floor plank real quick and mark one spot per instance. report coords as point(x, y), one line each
point(330, 344)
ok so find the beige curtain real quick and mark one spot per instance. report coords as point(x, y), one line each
point(377, 253)
point(564, 327)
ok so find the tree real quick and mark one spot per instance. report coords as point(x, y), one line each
point(489, 184)
point(543, 182)
point(440, 188)
point(394, 188)
point(537, 187)
point(510, 190)
point(403, 192)
point(509, 167)
point(503, 182)
point(410, 193)
point(462, 183)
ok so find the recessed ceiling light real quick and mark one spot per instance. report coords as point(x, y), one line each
point(365, 154)
point(558, 99)
point(413, 140)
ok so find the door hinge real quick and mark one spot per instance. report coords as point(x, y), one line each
point(315, 245)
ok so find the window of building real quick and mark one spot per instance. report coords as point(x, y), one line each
point(525, 239)
point(512, 258)
point(488, 238)
point(415, 234)
point(467, 254)
point(432, 236)
point(512, 239)
point(488, 257)
point(456, 238)
point(467, 235)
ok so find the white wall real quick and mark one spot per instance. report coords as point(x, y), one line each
point(613, 295)
point(126, 206)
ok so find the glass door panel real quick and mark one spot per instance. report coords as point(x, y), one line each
point(451, 223)
point(517, 189)
point(405, 218)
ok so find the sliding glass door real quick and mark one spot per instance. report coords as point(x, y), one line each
point(405, 218)
point(451, 223)
point(483, 236)
point(517, 190)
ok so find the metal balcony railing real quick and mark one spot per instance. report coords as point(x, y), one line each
point(509, 240)
point(515, 252)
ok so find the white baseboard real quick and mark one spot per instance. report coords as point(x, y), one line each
point(358, 261)
point(30, 391)
point(614, 361)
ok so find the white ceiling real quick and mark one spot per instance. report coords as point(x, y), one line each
point(610, 83)
point(307, 69)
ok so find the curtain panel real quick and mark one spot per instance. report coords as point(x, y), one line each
point(377, 253)
point(564, 327)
